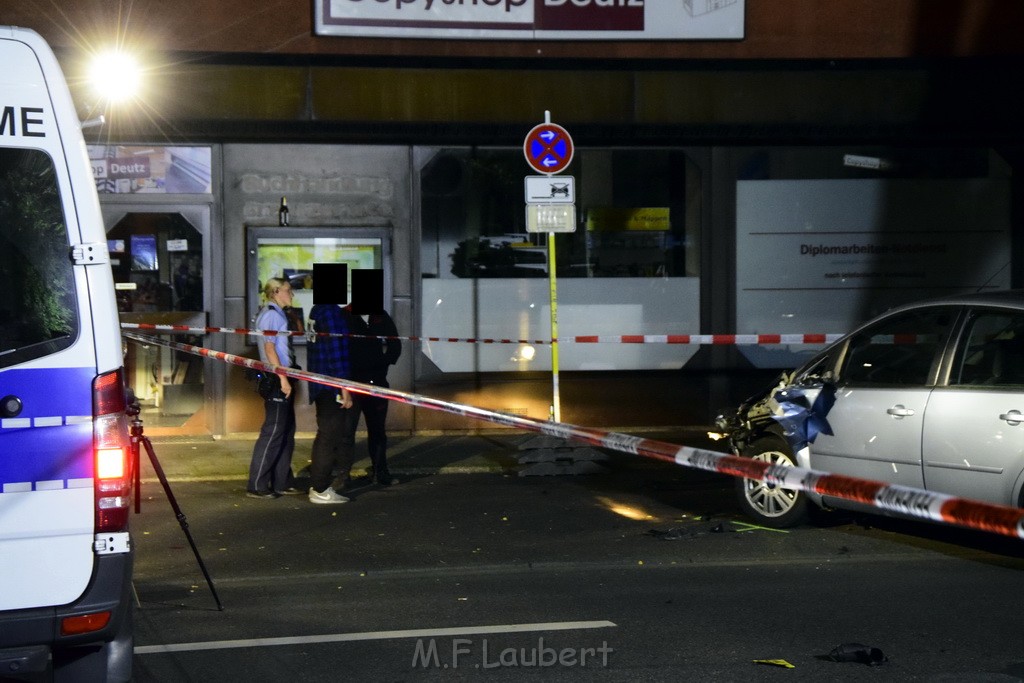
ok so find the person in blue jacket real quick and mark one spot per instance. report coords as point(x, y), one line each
point(327, 353)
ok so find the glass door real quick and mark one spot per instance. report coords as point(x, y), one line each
point(160, 266)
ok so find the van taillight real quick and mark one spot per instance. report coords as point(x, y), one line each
point(111, 452)
point(84, 623)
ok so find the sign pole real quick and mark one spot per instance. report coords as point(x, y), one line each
point(550, 207)
point(556, 403)
point(556, 408)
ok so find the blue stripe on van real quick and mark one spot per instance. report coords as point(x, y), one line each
point(50, 441)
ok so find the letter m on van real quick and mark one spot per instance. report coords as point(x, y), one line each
point(7, 121)
point(29, 121)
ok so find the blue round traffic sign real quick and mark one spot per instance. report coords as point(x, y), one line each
point(548, 148)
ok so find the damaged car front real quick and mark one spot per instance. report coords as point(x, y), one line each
point(776, 427)
point(927, 396)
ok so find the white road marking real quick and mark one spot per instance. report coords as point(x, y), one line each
point(373, 635)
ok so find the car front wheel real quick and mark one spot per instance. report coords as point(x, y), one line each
point(769, 504)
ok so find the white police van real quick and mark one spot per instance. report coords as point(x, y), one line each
point(65, 453)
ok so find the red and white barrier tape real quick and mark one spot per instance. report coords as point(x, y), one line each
point(905, 500)
point(693, 339)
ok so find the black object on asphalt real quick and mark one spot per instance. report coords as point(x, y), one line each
point(855, 652)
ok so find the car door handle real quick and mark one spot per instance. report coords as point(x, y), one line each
point(900, 411)
point(1013, 417)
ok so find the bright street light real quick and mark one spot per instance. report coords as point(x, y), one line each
point(115, 76)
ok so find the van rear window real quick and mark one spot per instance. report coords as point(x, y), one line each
point(38, 313)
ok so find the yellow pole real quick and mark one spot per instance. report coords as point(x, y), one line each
point(556, 408)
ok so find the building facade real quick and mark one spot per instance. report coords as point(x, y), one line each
point(834, 158)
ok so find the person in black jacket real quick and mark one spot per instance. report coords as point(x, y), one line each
point(370, 360)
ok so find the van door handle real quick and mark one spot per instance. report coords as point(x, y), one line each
point(900, 411)
point(1013, 417)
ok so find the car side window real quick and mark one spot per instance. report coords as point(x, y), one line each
point(992, 353)
point(899, 351)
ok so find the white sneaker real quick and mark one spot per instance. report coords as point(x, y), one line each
point(328, 497)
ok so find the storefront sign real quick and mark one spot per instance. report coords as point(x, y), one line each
point(614, 219)
point(125, 169)
point(533, 19)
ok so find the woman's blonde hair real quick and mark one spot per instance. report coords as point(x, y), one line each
point(270, 289)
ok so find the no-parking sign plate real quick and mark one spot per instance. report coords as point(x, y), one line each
point(548, 148)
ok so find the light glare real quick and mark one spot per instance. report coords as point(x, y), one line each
point(110, 463)
point(115, 76)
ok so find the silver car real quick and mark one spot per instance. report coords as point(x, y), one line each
point(929, 395)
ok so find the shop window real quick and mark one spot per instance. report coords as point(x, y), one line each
point(828, 237)
point(291, 252)
point(630, 267)
point(635, 220)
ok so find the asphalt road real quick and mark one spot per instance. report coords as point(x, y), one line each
point(643, 574)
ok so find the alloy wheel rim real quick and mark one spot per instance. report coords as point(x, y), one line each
point(770, 500)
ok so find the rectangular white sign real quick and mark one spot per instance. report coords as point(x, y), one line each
point(533, 19)
point(556, 189)
point(550, 218)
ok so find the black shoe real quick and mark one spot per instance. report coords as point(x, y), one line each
point(270, 495)
point(354, 484)
point(290, 491)
point(388, 481)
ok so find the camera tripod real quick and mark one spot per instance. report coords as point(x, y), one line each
point(139, 439)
